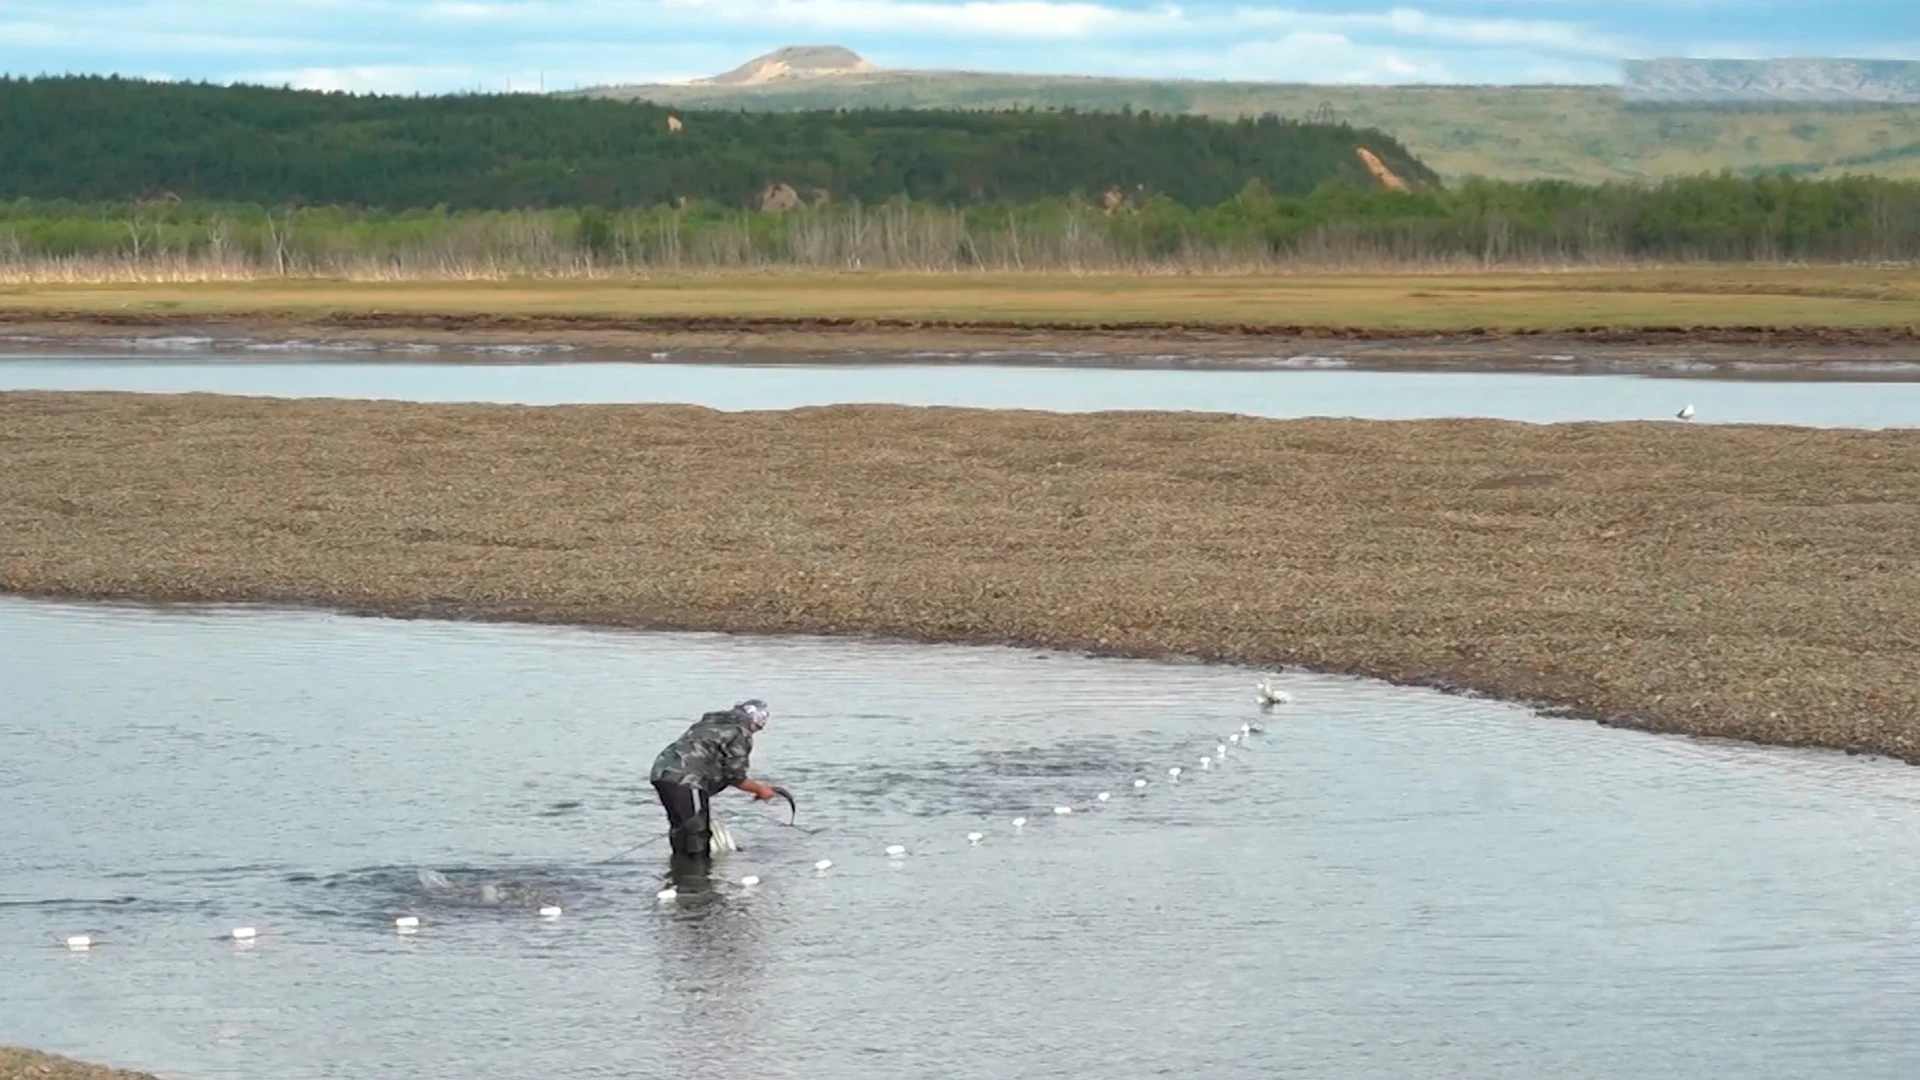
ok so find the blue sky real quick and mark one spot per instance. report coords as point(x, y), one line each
point(444, 45)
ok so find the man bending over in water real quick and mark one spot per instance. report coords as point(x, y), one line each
point(709, 756)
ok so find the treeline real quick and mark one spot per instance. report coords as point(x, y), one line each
point(1480, 223)
point(101, 138)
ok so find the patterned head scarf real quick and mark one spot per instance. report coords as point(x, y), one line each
point(754, 712)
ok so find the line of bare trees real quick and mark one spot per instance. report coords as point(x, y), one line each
point(1254, 232)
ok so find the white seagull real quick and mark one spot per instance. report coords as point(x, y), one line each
point(1270, 694)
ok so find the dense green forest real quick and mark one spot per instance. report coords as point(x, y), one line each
point(95, 138)
point(1580, 133)
point(1339, 223)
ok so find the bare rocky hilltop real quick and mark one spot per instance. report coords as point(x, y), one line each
point(793, 62)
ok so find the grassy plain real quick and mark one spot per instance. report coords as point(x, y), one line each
point(1781, 297)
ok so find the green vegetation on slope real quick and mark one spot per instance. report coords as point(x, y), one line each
point(1479, 222)
point(111, 138)
point(1582, 133)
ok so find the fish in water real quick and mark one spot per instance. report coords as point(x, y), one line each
point(722, 840)
point(793, 809)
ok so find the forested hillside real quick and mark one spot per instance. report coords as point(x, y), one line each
point(92, 138)
point(1580, 133)
point(180, 178)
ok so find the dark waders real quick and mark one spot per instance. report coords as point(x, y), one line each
point(688, 828)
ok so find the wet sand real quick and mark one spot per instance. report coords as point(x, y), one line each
point(17, 1064)
point(1819, 356)
point(1761, 583)
point(1807, 352)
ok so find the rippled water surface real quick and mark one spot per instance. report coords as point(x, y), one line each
point(1291, 392)
point(1389, 883)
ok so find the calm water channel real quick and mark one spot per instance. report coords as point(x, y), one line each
point(1389, 883)
point(1289, 392)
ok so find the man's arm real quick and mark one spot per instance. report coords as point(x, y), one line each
point(758, 790)
point(733, 767)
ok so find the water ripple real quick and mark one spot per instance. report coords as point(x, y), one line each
point(1387, 882)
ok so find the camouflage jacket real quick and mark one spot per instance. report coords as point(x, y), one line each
point(710, 755)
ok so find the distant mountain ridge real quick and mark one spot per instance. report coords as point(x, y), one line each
point(1586, 133)
point(1799, 80)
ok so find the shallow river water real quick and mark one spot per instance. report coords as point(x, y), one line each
point(1389, 882)
point(1535, 396)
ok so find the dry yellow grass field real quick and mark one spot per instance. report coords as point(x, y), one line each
point(1830, 297)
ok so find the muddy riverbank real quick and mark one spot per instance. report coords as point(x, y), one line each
point(1719, 352)
point(1752, 582)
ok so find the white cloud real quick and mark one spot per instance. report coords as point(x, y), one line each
point(1014, 19)
point(452, 78)
point(157, 38)
point(472, 11)
point(1007, 19)
point(376, 78)
point(1310, 56)
point(1534, 33)
point(20, 35)
point(461, 11)
point(1412, 25)
point(994, 18)
point(430, 45)
point(1396, 65)
point(1328, 58)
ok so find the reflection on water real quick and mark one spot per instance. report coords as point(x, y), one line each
point(1525, 396)
point(1387, 883)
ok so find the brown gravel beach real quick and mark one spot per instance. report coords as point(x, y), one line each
point(1755, 582)
point(16, 1064)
